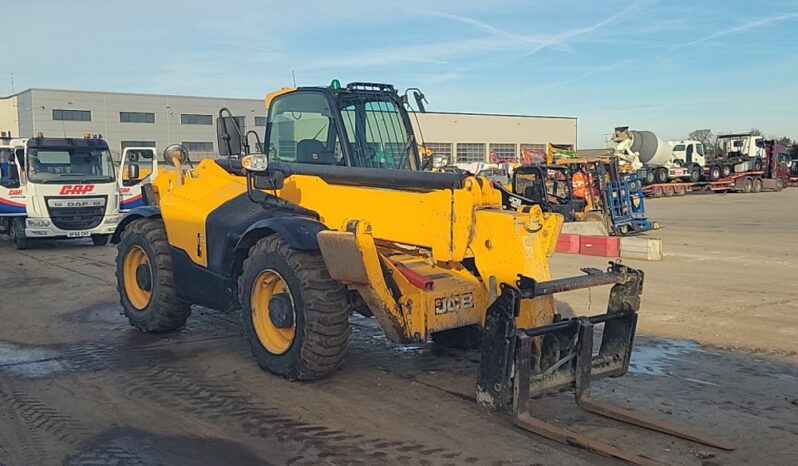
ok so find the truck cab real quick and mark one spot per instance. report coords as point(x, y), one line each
point(57, 188)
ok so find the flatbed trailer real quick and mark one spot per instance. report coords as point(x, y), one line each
point(744, 182)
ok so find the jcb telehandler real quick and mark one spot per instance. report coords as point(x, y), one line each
point(337, 216)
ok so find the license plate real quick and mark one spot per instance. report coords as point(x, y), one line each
point(77, 234)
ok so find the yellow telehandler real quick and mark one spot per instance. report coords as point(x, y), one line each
point(333, 213)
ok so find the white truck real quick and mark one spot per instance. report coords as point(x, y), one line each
point(657, 161)
point(57, 188)
point(740, 152)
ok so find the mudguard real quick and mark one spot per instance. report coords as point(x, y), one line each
point(299, 232)
point(139, 212)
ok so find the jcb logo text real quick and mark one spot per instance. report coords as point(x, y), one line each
point(454, 303)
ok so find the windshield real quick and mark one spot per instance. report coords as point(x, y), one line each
point(70, 165)
point(377, 134)
point(679, 148)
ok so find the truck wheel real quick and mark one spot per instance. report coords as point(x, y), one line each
point(145, 279)
point(295, 316)
point(779, 184)
point(725, 171)
point(748, 185)
point(100, 240)
point(714, 173)
point(661, 175)
point(757, 186)
point(16, 233)
point(758, 164)
point(468, 337)
point(667, 191)
point(649, 178)
point(695, 173)
point(657, 191)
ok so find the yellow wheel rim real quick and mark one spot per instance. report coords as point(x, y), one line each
point(137, 293)
point(268, 284)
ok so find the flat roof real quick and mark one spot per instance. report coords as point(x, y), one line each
point(143, 94)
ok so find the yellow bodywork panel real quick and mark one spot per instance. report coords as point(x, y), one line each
point(184, 209)
point(440, 220)
point(404, 251)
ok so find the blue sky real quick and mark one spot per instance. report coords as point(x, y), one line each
point(667, 66)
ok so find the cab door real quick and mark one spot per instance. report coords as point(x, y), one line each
point(12, 189)
point(139, 166)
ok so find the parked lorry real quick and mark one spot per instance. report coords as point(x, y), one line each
point(740, 152)
point(657, 161)
point(57, 188)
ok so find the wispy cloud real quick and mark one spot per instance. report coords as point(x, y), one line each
point(738, 29)
point(492, 39)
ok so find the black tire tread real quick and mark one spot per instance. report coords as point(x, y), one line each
point(171, 312)
point(326, 310)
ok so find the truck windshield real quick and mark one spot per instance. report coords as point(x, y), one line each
point(70, 165)
point(377, 135)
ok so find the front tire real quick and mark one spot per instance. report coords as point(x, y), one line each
point(16, 233)
point(100, 240)
point(145, 279)
point(295, 316)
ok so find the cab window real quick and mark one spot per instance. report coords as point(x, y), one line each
point(302, 130)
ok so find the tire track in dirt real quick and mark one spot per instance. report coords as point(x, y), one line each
point(311, 444)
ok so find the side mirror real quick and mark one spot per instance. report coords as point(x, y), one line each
point(270, 182)
point(133, 171)
point(228, 136)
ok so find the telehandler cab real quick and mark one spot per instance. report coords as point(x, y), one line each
point(336, 216)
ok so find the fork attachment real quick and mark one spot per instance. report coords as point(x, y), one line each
point(519, 364)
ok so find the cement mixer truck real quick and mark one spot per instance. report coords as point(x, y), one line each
point(657, 161)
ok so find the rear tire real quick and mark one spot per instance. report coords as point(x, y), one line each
point(714, 173)
point(757, 186)
point(779, 184)
point(657, 192)
point(667, 191)
point(726, 171)
point(16, 233)
point(469, 337)
point(661, 175)
point(100, 240)
point(649, 178)
point(145, 279)
point(748, 185)
point(311, 343)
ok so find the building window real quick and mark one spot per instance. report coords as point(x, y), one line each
point(242, 122)
point(260, 121)
point(533, 153)
point(502, 153)
point(72, 115)
point(199, 147)
point(440, 148)
point(469, 152)
point(194, 119)
point(136, 117)
point(126, 144)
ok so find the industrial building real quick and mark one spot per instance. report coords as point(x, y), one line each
point(152, 120)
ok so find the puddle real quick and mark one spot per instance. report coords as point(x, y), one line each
point(661, 355)
point(29, 361)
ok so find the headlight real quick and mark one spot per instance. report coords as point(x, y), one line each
point(439, 161)
point(37, 223)
point(112, 219)
point(255, 162)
